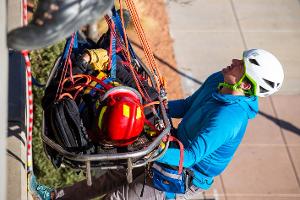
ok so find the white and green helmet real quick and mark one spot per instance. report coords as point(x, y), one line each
point(264, 71)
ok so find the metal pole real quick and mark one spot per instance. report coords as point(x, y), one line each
point(3, 98)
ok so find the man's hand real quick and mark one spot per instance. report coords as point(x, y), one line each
point(81, 64)
point(165, 103)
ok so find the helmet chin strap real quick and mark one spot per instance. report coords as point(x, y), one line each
point(234, 87)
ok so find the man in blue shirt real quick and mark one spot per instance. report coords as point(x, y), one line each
point(214, 119)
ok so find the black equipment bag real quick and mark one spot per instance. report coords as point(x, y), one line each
point(67, 127)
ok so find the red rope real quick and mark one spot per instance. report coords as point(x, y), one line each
point(65, 67)
point(81, 81)
point(181, 149)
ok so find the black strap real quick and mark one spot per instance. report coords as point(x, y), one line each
point(145, 180)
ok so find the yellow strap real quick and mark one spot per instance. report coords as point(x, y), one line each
point(94, 83)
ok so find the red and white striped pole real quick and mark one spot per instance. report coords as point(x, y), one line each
point(29, 95)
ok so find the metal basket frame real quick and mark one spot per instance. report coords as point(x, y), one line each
point(128, 160)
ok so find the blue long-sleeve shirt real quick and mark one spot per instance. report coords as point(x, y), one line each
point(211, 129)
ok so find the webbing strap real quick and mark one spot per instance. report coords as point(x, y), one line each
point(113, 62)
point(75, 44)
point(117, 21)
point(181, 149)
point(119, 27)
point(72, 42)
point(106, 81)
point(113, 70)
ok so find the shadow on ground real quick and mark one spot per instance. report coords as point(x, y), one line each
point(281, 123)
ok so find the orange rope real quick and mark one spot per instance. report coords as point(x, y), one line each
point(78, 85)
point(151, 104)
point(65, 95)
point(147, 97)
point(124, 31)
point(147, 49)
point(132, 70)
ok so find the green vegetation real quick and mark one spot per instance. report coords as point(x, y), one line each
point(42, 62)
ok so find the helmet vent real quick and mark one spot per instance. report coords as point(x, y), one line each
point(262, 90)
point(253, 61)
point(270, 83)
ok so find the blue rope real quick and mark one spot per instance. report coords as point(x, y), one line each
point(75, 44)
point(113, 70)
point(67, 47)
point(117, 20)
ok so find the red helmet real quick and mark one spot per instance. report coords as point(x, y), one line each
point(121, 119)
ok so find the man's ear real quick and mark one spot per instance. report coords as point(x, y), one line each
point(245, 86)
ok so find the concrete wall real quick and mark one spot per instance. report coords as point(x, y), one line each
point(3, 98)
point(16, 138)
point(14, 14)
point(16, 183)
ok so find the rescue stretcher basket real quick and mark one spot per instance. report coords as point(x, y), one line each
point(114, 161)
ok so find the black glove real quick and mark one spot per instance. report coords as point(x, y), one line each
point(80, 65)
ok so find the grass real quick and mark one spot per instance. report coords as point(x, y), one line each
point(42, 62)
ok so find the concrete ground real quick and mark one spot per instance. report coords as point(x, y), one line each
point(207, 35)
